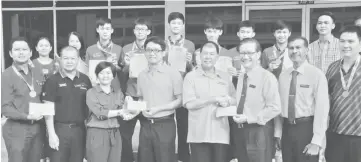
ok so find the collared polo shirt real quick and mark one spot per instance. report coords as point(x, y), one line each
point(15, 96)
point(274, 52)
point(262, 100)
point(99, 104)
point(345, 113)
point(131, 83)
point(159, 87)
point(203, 125)
point(310, 98)
point(68, 96)
point(322, 58)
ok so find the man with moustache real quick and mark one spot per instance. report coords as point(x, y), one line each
point(22, 132)
point(325, 50)
point(258, 103)
point(67, 91)
point(303, 120)
point(344, 78)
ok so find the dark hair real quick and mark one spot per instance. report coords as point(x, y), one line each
point(175, 15)
point(280, 25)
point(352, 29)
point(81, 40)
point(305, 41)
point(68, 48)
point(142, 21)
point(210, 43)
point(250, 40)
point(156, 40)
point(213, 23)
point(330, 14)
point(102, 21)
point(51, 55)
point(103, 65)
point(357, 18)
point(247, 24)
point(18, 39)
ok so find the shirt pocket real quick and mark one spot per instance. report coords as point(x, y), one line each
point(219, 87)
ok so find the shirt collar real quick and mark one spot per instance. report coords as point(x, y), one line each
point(202, 72)
point(254, 72)
point(177, 42)
point(98, 89)
point(19, 69)
point(162, 68)
point(300, 69)
point(330, 40)
point(62, 74)
point(136, 47)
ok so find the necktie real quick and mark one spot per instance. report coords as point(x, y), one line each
point(235, 81)
point(243, 95)
point(292, 97)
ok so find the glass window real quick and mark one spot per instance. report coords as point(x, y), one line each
point(26, 4)
point(29, 24)
point(264, 21)
point(344, 16)
point(68, 3)
point(81, 21)
point(124, 18)
point(209, 2)
point(195, 17)
point(135, 3)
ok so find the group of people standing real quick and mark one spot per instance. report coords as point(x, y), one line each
point(288, 97)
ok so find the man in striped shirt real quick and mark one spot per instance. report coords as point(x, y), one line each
point(344, 81)
point(324, 51)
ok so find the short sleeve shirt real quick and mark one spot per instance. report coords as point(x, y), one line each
point(203, 125)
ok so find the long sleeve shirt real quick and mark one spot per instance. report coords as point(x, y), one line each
point(311, 98)
point(263, 100)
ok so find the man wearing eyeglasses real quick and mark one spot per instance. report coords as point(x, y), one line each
point(258, 103)
point(141, 31)
point(160, 86)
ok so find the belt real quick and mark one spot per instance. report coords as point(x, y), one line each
point(70, 125)
point(152, 120)
point(30, 122)
point(298, 120)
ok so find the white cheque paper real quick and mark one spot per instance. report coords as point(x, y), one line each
point(226, 111)
point(41, 108)
point(135, 105)
point(92, 65)
point(223, 63)
point(138, 63)
point(177, 58)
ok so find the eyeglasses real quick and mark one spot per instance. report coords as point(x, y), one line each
point(140, 30)
point(153, 50)
point(248, 54)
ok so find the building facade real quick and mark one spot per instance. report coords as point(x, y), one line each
point(56, 19)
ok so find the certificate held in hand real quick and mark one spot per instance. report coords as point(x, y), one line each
point(41, 108)
point(177, 58)
point(138, 63)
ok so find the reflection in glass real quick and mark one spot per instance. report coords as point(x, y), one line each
point(264, 21)
point(195, 19)
point(81, 21)
point(344, 16)
point(123, 21)
point(29, 24)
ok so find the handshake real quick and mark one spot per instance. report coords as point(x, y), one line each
point(132, 108)
point(223, 101)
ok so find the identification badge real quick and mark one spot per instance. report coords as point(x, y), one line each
point(304, 86)
point(252, 86)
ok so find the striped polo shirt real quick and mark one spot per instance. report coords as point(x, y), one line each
point(345, 113)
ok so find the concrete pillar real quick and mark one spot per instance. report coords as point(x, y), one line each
point(172, 6)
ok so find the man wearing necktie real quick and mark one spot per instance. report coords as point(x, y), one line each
point(258, 103)
point(303, 120)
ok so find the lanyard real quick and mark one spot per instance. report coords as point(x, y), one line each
point(347, 86)
point(31, 87)
point(109, 53)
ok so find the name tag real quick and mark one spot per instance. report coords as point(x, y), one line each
point(83, 88)
point(222, 83)
point(62, 85)
point(304, 86)
point(252, 86)
point(96, 54)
